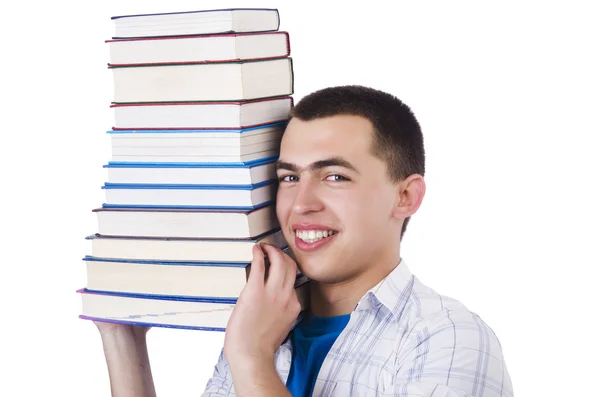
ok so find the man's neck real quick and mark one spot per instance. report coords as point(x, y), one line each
point(335, 299)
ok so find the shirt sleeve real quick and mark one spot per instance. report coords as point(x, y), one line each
point(456, 355)
point(221, 383)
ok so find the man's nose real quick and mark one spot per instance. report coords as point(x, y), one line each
point(307, 197)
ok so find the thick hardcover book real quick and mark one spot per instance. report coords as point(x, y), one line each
point(223, 81)
point(198, 313)
point(231, 20)
point(172, 249)
point(194, 223)
point(193, 173)
point(162, 155)
point(196, 145)
point(202, 115)
point(199, 49)
point(189, 196)
point(237, 138)
point(198, 278)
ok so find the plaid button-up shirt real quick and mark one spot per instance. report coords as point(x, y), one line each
point(405, 340)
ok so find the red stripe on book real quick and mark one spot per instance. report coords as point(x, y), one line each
point(196, 128)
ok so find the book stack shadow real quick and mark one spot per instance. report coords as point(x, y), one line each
point(201, 100)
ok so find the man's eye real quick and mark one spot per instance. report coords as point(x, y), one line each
point(337, 178)
point(288, 178)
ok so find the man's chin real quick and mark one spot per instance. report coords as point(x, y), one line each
point(312, 258)
point(317, 270)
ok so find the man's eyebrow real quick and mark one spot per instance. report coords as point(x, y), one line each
point(284, 165)
point(329, 162)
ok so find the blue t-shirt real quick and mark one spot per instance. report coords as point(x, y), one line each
point(311, 340)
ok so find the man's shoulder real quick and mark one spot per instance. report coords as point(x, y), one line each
point(440, 331)
point(429, 312)
point(427, 303)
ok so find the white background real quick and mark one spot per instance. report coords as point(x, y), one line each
point(508, 97)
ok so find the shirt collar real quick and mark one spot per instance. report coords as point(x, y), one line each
point(392, 292)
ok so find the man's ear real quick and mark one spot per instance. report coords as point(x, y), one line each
point(410, 195)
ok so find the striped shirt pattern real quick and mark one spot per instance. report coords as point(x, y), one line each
point(404, 340)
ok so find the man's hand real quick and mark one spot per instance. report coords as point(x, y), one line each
point(266, 308)
point(260, 322)
point(137, 332)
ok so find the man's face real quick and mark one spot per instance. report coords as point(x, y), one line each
point(335, 201)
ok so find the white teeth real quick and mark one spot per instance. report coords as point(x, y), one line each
point(310, 236)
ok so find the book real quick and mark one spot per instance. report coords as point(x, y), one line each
point(232, 20)
point(247, 173)
point(185, 222)
point(163, 155)
point(173, 278)
point(192, 49)
point(197, 313)
point(201, 115)
point(201, 99)
point(223, 81)
point(189, 196)
point(191, 143)
point(181, 249)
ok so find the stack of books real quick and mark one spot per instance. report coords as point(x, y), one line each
point(201, 100)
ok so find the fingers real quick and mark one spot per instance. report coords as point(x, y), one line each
point(257, 268)
point(290, 276)
point(282, 271)
point(277, 268)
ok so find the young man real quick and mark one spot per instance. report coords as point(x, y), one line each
point(350, 174)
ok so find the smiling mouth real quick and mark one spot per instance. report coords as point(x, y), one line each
point(312, 236)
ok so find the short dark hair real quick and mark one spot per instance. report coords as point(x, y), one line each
point(397, 140)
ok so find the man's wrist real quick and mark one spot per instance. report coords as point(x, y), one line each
point(252, 363)
point(126, 355)
point(256, 376)
point(136, 334)
point(125, 343)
